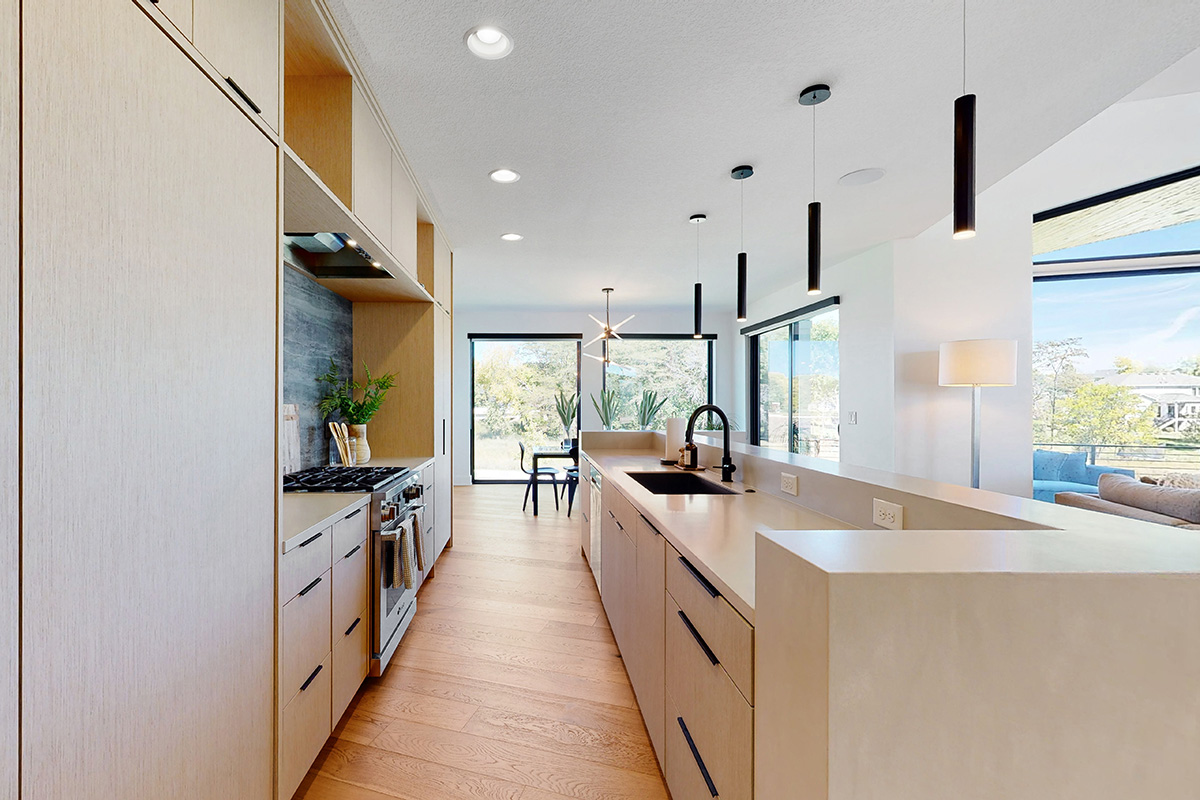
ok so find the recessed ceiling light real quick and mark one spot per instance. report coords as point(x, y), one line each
point(512, 237)
point(504, 175)
point(488, 41)
point(861, 177)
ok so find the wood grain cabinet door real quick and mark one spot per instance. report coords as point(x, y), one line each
point(241, 39)
point(179, 12)
point(149, 362)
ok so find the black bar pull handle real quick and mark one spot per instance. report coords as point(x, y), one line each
point(354, 513)
point(310, 587)
point(357, 547)
point(353, 625)
point(696, 755)
point(699, 639)
point(312, 539)
point(320, 667)
point(242, 94)
point(700, 579)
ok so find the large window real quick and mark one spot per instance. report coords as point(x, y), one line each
point(1116, 327)
point(514, 382)
point(678, 369)
point(794, 381)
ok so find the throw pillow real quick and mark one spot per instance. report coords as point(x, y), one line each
point(1047, 464)
point(1074, 468)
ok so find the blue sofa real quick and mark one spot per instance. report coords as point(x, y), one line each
point(1066, 472)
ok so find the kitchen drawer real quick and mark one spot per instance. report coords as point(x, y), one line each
point(306, 726)
point(719, 719)
point(350, 663)
point(427, 475)
point(682, 770)
point(350, 530)
point(305, 634)
point(620, 508)
point(349, 590)
point(723, 628)
point(303, 562)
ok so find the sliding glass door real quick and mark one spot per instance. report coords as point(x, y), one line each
point(794, 389)
point(514, 382)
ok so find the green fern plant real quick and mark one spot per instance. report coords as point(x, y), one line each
point(648, 409)
point(607, 407)
point(567, 406)
point(340, 397)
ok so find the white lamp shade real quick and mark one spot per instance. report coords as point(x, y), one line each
point(978, 362)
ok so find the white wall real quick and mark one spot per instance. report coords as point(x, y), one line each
point(537, 320)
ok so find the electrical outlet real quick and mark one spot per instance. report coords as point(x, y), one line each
point(887, 515)
point(789, 484)
point(853, 418)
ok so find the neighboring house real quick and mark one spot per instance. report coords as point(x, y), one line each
point(1174, 396)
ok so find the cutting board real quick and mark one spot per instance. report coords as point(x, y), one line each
point(290, 457)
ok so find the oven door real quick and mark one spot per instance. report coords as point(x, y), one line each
point(395, 604)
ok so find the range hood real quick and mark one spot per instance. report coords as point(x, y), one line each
point(331, 255)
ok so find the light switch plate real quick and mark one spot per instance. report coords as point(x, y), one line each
point(789, 484)
point(887, 515)
point(853, 418)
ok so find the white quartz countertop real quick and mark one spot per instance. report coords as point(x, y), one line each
point(714, 532)
point(414, 463)
point(304, 512)
point(1156, 550)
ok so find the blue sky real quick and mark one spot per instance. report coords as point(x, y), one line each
point(1154, 319)
point(1184, 238)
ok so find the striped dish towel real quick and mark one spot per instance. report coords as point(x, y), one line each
point(420, 547)
point(404, 557)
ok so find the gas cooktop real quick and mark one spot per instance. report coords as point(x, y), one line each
point(342, 479)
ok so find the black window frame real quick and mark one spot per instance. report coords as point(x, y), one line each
point(523, 337)
point(751, 334)
point(710, 338)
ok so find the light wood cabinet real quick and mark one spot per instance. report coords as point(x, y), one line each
point(371, 161)
point(10, 333)
point(305, 728)
point(349, 531)
point(351, 660)
point(442, 268)
point(686, 772)
point(349, 589)
point(154, 676)
point(648, 613)
point(301, 562)
point(719, 720)
point(306, 639)
point(179, 12)
point(403, 235)
point(241, 39)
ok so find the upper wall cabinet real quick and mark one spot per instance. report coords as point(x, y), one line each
point(434, 266)
point(404, 216)
point(179, 12)
point(241, 40)
point(371, 158)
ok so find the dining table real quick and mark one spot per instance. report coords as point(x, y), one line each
point(549, 453)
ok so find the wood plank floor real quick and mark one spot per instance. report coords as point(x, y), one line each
point(508, 685)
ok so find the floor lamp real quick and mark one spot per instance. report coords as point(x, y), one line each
point(977, 363)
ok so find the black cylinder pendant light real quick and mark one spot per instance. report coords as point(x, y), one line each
point(814, 96)
point(698, 331)
point(964, 153)
point(740, 174)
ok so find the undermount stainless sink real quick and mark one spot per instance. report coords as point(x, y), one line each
point(677, 483)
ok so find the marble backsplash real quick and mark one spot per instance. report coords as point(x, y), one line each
point(317, 325)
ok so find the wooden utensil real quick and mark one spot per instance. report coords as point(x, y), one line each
point(337, 438)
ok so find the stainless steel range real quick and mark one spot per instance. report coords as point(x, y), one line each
point(397, 518)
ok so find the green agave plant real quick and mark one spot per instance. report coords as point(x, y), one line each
point(607, 407)
point(567, 406)
point(648, 409)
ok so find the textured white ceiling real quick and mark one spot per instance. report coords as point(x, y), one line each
point(624, 118)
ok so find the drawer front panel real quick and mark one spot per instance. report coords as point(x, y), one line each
point(720, 721)
point(349, 590)
point(306, 726)
point(350, 531)
point(305, 634)
point(298, 566)
point(682, 770)
point(723, 628)
point(350, 663)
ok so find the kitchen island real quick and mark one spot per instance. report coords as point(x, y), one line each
point(1006, 649)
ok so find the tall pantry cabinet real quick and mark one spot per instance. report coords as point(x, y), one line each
point(149, 260)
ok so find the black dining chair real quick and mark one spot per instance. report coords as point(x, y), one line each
point(571, 480)
point(534, 477)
